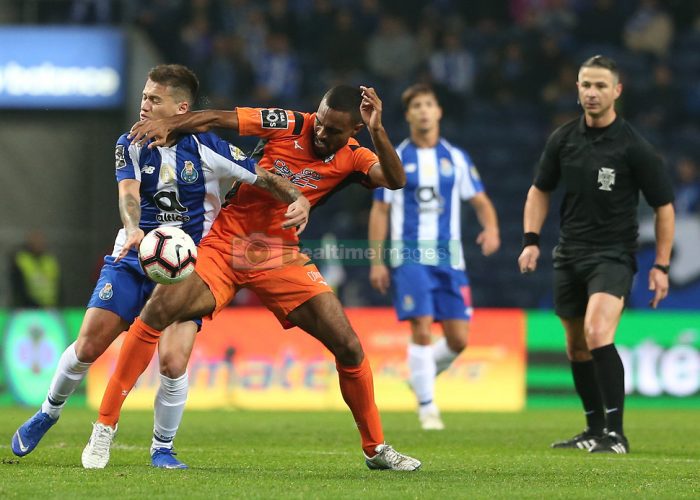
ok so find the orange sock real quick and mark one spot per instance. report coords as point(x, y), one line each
point(135, 355)
point(357, 387)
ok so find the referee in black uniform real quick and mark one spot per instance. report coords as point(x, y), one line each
point(604, 164)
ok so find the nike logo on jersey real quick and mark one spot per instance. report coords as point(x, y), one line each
point(297, 145)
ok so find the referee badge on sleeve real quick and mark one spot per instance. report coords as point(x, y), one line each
point(606, 178)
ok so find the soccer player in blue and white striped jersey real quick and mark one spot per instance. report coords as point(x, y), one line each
point(428, 270)
point(173, 185)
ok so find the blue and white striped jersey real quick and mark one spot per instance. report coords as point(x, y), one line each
point(180, 183)
point(425, 214)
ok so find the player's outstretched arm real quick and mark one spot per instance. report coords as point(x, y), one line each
point(378, 229)
point(664, 226)
point(489, 238)
point(130, 213)
point(389, 171)
point(165, 130)
point(297, 214)
point(536, 208)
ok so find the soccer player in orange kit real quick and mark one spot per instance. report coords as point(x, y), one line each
point(247, 248)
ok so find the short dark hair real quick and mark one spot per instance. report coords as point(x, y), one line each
point(414, 91)
point(604, 62)
point(180, 78)
point(347, 99)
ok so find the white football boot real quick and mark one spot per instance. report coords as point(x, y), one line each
point(430, 419)
point(96, 452)
point(387, 458)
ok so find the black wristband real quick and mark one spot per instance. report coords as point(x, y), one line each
point(663, 269)
point(531, 239)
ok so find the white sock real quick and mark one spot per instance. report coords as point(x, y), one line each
point(169, 406)
point(422, 372)
point(443, 355)
point(69, 373)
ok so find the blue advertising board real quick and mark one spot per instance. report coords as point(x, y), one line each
point(61, 68)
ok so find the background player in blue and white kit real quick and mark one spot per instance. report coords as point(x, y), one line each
point(175, 185)
point(428, 267)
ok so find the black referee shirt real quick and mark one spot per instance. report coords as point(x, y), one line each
point(603, 171)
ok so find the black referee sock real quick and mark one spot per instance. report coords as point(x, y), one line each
point(587, 388)
point(611, 374)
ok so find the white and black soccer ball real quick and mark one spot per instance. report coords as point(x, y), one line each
point(167, 255)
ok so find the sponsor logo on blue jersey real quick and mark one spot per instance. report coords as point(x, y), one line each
point(425, 214)
point(179, 183)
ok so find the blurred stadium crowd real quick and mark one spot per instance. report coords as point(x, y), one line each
point(505, 72)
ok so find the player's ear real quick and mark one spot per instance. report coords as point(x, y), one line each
point(356, 129)
point(183, 107)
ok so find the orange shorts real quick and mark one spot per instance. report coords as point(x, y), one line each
point(282, 283)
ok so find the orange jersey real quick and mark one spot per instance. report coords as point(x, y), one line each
point(287, 152)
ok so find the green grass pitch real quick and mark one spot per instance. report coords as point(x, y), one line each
point(317, 455)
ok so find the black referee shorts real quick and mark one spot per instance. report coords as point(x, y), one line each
point(579, 273)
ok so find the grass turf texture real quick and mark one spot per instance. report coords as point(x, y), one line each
point(317, 455)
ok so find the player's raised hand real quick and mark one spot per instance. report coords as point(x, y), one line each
point(379, 278)
point(159, 130)
point(371, 108)
point(527, 262)
point(297, 214)
point(489, 240)
point(658, 283)
point(133, 240)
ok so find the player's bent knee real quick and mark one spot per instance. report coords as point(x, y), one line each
point(163, 308)
point(158, 313)
point(457, 344)
point(173, 365)
point(348, 350)
point(578, 354)
point(598, 333)
point(88, 351)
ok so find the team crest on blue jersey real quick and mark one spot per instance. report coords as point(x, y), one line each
point(410, 168)
point(446, 167)
point(107, 292)
point(236, 153)
point(408, 303)
point(189, 174)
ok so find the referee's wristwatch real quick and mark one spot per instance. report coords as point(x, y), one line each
point(662, 268)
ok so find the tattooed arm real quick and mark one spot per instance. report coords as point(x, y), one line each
point(298, 210)
point(130, 213)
